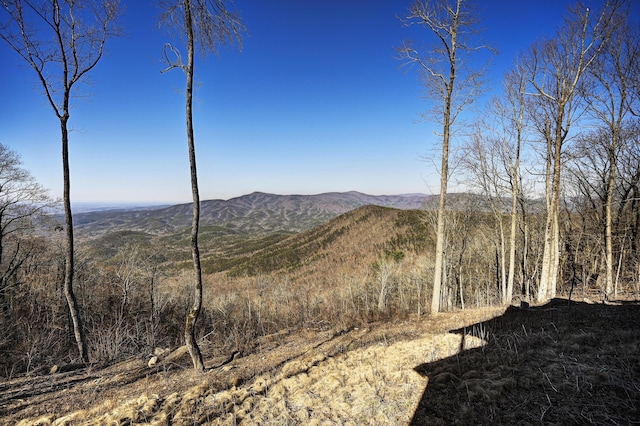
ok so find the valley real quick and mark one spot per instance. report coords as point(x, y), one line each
point(313, 317)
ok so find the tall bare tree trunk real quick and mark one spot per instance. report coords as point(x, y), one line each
point(441, 69)
point(444, 167)
point(440, 230)
point(513, 234)
point(526, 282)
point(554, 138)
point(194, 312)
point(502, 245)
point(207, 24)
point(608, 237)
point(550, 256)
point(517, 91)
point(62, 41)
point(74, 311)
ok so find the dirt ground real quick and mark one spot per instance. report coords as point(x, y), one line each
point(560, 363)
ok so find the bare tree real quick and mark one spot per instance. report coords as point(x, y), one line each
point(483, 157)
point(514, 112)
point(128, 271)
point(450, 81)
point(62, 41)
point(207, 24)
point(492, 158)
point(23, 204)
point(607, 209)
point(557, 70)
point(612, 100)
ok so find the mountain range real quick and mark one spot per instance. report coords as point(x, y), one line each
point(255, 213)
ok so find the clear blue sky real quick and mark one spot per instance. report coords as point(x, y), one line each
point(314, 103)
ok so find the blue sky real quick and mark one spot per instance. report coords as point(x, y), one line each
point(314, 103)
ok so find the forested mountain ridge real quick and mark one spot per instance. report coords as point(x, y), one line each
point(255, 213)
point(350, 242)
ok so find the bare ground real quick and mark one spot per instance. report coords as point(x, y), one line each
point(561, 363)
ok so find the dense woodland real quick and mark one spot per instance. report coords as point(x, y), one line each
point(553, 178)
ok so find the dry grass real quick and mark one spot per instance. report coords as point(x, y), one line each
point(560, 363)
point(347, 376)
point(372, 385)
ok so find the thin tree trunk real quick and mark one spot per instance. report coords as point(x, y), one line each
point(461, 286)
point(444, 178)
point(437, 273)
point(194, 312)
point(503, 262)
point(519, 114)
point(526, 287)
point(555, 242)
point(608, 237)
point(513, 234)
point(74, 311)
point(543, 286)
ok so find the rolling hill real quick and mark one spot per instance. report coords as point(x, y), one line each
point(346, 243)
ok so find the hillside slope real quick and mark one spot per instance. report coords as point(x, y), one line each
point(356, 376)
point(559, 363)
point(344, 244)
point(347, 243)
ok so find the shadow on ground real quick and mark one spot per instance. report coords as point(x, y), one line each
point(559, 363)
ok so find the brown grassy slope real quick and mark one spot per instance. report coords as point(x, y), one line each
point(561, 363)
point(296, 378)
point(323, 277)
point(347, 243)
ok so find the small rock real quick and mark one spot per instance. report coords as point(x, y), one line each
point(54, 369)
point(153, 361)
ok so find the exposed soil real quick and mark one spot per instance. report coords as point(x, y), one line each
point(560, 363)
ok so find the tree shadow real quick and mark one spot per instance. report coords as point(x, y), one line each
point(559, 363)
